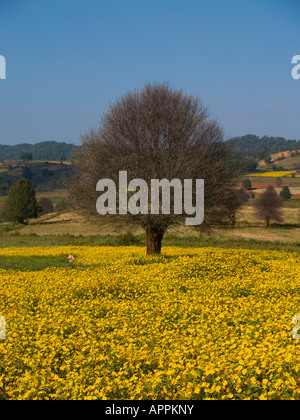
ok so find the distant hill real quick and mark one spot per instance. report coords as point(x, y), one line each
point(249, 146)
point(255, 147)
point(46, 150)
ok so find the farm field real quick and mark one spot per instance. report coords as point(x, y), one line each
point(269, 177)
point(265, 181)
point(271, 174)
point(289, 162)
point(69, 228)
point(192, 323)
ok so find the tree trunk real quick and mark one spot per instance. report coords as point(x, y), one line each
point(232, 221)
point(267, 222)
point(154, 240)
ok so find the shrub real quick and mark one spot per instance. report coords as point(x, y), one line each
point(46, 205)
point(285, 193)
point(62, 205)
point(21, 203)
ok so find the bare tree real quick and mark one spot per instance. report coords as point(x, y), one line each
point(155, 133)
point(235, 200)
point(278, 182)
point(268, 206)
point(46, 206)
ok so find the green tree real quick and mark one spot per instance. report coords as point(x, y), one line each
point(26, 173)
point(26, 156)
point(285, 193)
point(247, 184)
point(21, 203)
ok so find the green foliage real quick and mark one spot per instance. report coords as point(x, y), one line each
point(26, 173)
point(46, 150)
point(43, 177)
point(33, 263)
point(62, 205)
point(247, 184)
point(46, 172)
point(285, 193)
point(4, 187)
point(128, 239)
point(26, 156)
point(6, 229)
point(250, 165)
point(10, 238)
point(21, 203)
point(277, 168)
point(262, 147)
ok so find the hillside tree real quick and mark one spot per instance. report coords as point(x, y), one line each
point(285, 193)
point(235, 200)
point(26, 156)
point(20, 204)
point(268, 206)
point(27, 173)
point(247, 184)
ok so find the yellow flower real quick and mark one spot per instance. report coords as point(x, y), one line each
point(205, 323)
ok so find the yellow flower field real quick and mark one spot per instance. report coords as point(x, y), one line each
point(273, 174)
point(190, 324)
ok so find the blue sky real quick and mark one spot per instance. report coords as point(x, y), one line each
point(68, 60)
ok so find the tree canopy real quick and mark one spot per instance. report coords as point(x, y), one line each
point(155, 133)
point(21, 203)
